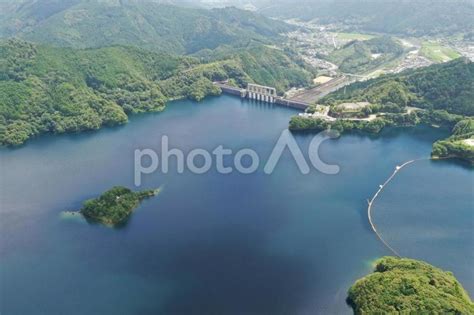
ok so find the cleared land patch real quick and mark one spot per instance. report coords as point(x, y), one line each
point(322, 79)
point(438, 53)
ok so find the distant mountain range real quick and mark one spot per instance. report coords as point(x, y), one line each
point(146, 24)
point(416, 17)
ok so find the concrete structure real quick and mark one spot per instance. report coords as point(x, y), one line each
point(291, 103)
point(313, 95)
point(231, 89)
point(261, 93)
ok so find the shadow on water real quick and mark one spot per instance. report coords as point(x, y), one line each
point(258, 104)
point(122, 225)
point(50, 139)
point(422, 132)
point(454, 162)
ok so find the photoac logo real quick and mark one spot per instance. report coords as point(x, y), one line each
point(215, 159)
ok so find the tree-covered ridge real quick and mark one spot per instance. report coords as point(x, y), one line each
point(442, 93)
point(460, 144)
point(412, 18)
point(144, 24)
point(268, 65)
point(277, 68)
point(115, 205)
point(408, 286)
point(44, 89)
point(362, 56)
point(448, 86)
point(56, 90)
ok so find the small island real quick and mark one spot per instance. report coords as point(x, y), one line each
point(115, 205)
point(408, 286)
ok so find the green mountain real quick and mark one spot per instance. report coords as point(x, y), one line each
point(459, 144)
point(362, 56)
point(280, 68)
point(444, 92)
point(145, 24)
point(408, 286)
point(447, 86)
point(413, 18)
point(46, 89)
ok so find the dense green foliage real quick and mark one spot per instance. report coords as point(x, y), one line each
point(444, 93)
point(266, 65)
point(57, 90)
point(275, 67)
point(413, 18)
point(114, 206)
point(456, 145)
point(362, 56)
point(299, 123)
point(45, 89)
point(408, 286)
point(144, 24)
point(447, 86)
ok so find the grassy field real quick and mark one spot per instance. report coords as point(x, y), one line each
point(353, 36)
point(376, 73)
point(437, 53)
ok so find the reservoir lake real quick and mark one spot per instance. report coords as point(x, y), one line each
point(284, 243)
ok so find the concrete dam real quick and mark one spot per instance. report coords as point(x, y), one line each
point(261, 93)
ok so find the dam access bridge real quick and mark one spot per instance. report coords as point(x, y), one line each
point(261, 93)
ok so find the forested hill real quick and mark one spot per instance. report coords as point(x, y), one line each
point(417, 17)
point(46, 89)
point(358, 56)
point(279, 68)
point(145, 24)
point(448, 86)
point(408, 286)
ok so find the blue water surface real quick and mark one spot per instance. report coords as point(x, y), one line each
point(284, 243)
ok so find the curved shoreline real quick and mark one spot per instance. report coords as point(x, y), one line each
point(374, 197)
